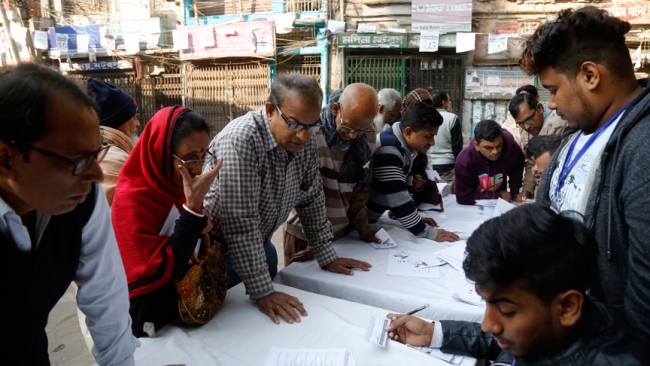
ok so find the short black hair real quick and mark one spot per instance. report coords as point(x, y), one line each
point(530, 89)
point(440, 97)
point(488, 130)
point(539, 145)
point(305, 85)
point(421, 115)
point(25, 92)
point(185, 124)
point(551, 253)
point(518, 100)
point(577, 36)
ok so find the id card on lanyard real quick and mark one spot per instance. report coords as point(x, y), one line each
point(569, 163)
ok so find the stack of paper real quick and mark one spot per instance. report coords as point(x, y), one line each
point(466, 292)
point(316, 356)
point(502, 207)
point(454, 255)
point(437, 353)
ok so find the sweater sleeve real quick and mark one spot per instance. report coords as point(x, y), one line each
point(183, 241)
point(389, 174)
point(357, 211)
point(466, 185)
point(456, 137)
point(515, 176)
point(529, 178)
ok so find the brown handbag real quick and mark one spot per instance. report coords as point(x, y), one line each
point(202, 290)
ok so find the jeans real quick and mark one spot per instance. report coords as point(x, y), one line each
point(271, 261)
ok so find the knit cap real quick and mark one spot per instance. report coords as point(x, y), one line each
point(115, 106)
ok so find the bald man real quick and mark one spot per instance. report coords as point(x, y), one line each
point(345, 145)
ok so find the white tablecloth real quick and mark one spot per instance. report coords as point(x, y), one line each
point(241, 335)
point(376, 288)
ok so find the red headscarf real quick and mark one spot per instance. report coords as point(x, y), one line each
point(144, 196)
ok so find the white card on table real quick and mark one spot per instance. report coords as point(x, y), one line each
point(376, 332)
point(386, 240)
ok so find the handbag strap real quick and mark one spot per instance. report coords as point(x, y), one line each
point(204, 251)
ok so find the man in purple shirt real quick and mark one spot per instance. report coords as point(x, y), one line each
point(491, 160)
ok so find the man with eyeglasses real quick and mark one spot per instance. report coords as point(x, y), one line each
point(55, 225)
point(533, 120)
point(270, 167)
point(345, 145)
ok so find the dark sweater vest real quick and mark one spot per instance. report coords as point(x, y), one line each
point(34, 282)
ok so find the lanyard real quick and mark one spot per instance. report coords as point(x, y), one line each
point(567, 166)
point(512, 363)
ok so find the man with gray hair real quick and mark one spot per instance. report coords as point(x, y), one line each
point(390, 103)
point(270, 167)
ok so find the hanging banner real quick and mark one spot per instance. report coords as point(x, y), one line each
point(249, 39)
point(441, 15)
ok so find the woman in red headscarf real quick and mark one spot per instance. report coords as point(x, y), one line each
point(157, 211)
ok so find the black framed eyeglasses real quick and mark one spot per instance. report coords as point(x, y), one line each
point(189, 164)
point(79, 166)
point(529, 121)
point(347, 128)
point(297, 126)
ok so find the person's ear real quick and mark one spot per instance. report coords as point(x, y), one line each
point(589, 76)
point(408, 131)
point(270, 110)
point(476, 145)
point(380, 109)
point(336, 108)
point(6, 153)
point(569, 307)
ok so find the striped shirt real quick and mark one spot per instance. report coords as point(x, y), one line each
point(392, 183)
point(256, 189)
point(346, 206)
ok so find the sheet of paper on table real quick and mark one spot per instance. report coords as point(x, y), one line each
point(484, 203)
point(454, 255)
point(376, 332)
point(502, 207)
point(465, 291)
point(316, 356)
point(437, 353)
point(428, 207)
point(386, 240)
point(413, 264)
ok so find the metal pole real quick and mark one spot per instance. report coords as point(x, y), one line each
point(7, 26)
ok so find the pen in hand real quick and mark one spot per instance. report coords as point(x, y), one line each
point(418, 309)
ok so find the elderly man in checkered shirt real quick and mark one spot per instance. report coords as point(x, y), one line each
point(270, 166)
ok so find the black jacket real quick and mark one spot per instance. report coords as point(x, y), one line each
point(618, 214)
point(598, 340)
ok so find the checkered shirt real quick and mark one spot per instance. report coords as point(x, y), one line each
point(256, 189)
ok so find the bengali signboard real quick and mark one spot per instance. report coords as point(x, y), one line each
point(627, 11)
point(102, 65)
point(441, 15)
point(368, 40)
point(250, 39)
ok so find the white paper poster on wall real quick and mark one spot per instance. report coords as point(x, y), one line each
point(181, 40)
point(82, 43)
point(429, 41)
point(465, 42)
point(497, 43)
point(132, 43)
point(40, 40)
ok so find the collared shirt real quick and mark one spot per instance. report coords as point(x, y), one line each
point(103, 295)
point(256, 189)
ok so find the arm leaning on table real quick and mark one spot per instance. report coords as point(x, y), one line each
point(238, 211)
point(317, 228)
point(103, 294)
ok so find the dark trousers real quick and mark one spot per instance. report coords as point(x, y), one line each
point(159, 307)
point(271, 261)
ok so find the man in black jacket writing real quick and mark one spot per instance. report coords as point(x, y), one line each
point(532, 267)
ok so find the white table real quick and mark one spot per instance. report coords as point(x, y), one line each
point(376, 288)
point(241, 335)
